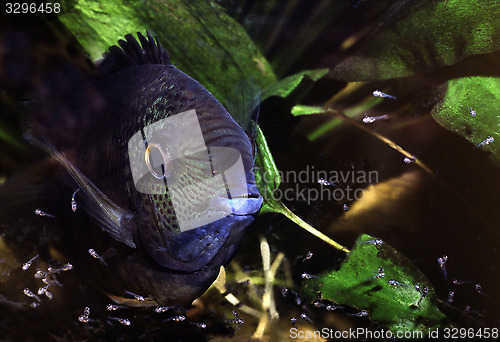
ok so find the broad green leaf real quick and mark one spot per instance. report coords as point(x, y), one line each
point(421, 36)
point(399, 307)
point(201, 39)
point(454, 112)
point(287, 85)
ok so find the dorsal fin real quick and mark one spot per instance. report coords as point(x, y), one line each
point(130, 53)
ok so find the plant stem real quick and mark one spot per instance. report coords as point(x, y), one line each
point(289, 214)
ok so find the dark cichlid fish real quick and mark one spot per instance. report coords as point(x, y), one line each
point(163, 173)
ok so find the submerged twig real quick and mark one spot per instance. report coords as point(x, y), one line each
point(387, 141)
point(289, 214)
point(220, 284)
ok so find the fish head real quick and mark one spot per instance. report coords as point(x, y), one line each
point(196, 193)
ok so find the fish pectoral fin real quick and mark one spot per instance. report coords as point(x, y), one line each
point(116, 221)
point(113, 219)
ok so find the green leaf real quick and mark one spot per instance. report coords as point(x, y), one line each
point(266, 174)
point(460, 96)
point(287, 85)
point(299, 110)
point(400, 308)
point(202, 40)
point(422, 36)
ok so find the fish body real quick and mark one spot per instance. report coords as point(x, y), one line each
point(378, 93)
point(111, 122)
point(486, 141)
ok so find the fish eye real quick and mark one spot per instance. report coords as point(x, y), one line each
point(158, 161)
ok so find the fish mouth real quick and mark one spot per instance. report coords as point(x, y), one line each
point(242, 205)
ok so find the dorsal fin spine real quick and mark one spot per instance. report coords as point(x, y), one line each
point(130, 52)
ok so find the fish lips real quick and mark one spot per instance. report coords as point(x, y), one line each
point(239, 206)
